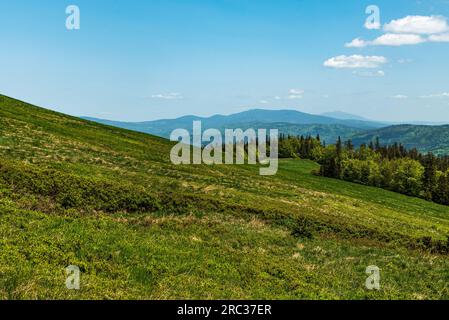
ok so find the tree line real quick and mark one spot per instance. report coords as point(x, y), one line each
point(392, 167)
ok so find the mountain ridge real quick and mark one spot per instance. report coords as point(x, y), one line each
point(299, 123)
point(258, 115)
point(344, 116)
point(286, 121)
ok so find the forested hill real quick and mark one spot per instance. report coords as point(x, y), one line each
point(424, 138)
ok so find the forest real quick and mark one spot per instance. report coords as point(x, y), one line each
point(392, 167)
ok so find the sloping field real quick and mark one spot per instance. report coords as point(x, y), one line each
point(73, 192)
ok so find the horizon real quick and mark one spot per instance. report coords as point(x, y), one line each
point(387, 123)
point(324, 114)
point(133, 63)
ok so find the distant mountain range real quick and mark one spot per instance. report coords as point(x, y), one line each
point(289, 121)
point(329, 126)
point(344, 116)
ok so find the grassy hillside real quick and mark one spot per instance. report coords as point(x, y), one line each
point(425, 138)
point(110, 201)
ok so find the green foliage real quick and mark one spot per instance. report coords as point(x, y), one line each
point(391, 167)
point(70, 191)
point(300, 147)
point(433, 139)
point(110, 201)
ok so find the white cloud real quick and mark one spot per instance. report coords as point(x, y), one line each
point(356, 43)
point(263, 102)
point(410, 30)
point(169, 96)
point(369, 74)
point(436, 95)
point(439, 37)
point(295, 94)
point(296, 91)
point(355, 62)
point(400, 96)
point(391, 39)
point(418, 25)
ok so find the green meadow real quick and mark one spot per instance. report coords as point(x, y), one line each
point(74, 192)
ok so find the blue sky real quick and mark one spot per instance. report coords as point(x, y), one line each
point(142, 60)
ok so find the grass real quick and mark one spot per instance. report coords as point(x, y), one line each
point(215, 256)
point(110, 201)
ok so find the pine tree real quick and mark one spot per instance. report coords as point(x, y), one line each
point(430, 176)
point(338, 147)
point(377, 144)
point(349, 145)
